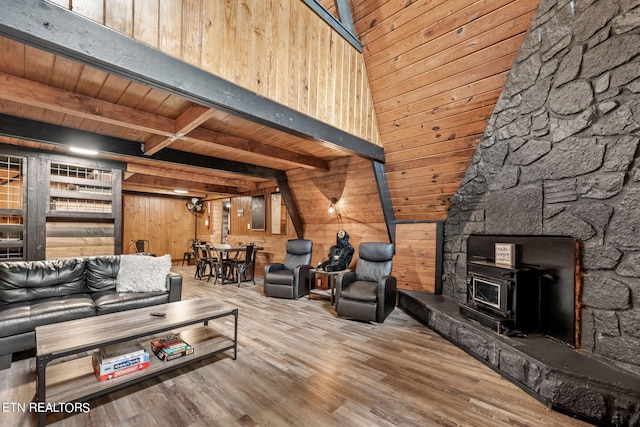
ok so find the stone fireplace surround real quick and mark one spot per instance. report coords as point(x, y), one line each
point(562, 378)
point(560, 157)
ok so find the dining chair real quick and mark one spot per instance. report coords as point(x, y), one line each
point(246, 265)
point(200, 261)
point(213, 261)
point(190, 251)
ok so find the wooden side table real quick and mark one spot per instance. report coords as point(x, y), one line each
point(332, 283)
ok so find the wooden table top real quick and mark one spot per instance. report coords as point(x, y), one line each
point(92, 332)
point(231, 248)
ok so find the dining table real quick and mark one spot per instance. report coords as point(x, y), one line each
point(228, 257)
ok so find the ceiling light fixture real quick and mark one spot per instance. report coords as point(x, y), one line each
point(83, 151)
point(181, 191)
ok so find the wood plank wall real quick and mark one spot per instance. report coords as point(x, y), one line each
point(351, 181)
point(436, 69)
point(164, 221)
point(168, 225)
point(281, 50)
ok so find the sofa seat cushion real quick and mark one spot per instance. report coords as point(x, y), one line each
point(281, 277)
point(24, 316)
point(111, 301)
point(361, 291)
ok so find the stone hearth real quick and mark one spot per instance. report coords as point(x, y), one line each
point(566, 380)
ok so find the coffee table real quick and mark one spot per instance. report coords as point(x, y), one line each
point(74, 380)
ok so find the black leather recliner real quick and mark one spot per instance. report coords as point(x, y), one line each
point(290, 279)
point(369, 293)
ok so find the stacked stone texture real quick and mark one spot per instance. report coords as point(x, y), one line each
point(560, 157)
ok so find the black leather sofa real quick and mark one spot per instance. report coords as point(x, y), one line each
point(34, 293)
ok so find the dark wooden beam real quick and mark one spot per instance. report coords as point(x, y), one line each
point(36, 210)
point(439, 256)
point(343, 28)
point(344, 13)
point(385, 199)
point(54, 29)
point(16, 127)
point(290, 202)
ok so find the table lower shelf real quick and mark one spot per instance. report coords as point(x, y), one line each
point(74, 380)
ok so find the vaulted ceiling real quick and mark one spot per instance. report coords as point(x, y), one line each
point(435, 68)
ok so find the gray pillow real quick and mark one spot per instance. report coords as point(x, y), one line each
point(140, 273)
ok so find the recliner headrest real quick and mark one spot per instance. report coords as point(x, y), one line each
point(299, 246)
point(376, 251)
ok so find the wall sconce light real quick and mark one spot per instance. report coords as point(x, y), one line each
point(333, 210)
point(332, 206)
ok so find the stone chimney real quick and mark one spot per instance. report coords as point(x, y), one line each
point(560, 157)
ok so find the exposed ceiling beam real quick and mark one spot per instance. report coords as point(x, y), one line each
point(193, 117)
point(171, 183)
point(57, 30)
point(237, 143)
point(167, 130)
point(344, 13)
point(199, 176)
point(39, 95)
point(385, 199)
point(32, 130)
point(141, 189)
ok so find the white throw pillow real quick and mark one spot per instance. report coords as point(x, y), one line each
point(141, 273)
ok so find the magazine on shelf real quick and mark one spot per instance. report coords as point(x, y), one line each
point(121, 351)
point(171, 348)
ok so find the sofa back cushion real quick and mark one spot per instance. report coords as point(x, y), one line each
point(31, 280)
point(102, 272)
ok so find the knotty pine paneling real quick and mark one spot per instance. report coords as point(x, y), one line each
point(414, 262)
point(436, 69)
point(351, 181)
point(281, 50)
point(213, 233)
point(164, 221)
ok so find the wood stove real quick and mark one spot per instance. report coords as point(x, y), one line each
point(539, 293)
point(505, 299)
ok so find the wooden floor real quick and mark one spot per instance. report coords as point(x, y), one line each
point(299, 365)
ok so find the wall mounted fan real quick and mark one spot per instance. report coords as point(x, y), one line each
point(195, 205)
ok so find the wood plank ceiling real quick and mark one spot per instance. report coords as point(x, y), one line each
point(436, 69)
point(48, 88)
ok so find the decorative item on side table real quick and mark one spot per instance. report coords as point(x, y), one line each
point(119, 359)
point(171, 347)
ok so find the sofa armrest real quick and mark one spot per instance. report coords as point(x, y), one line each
point(174, 284)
